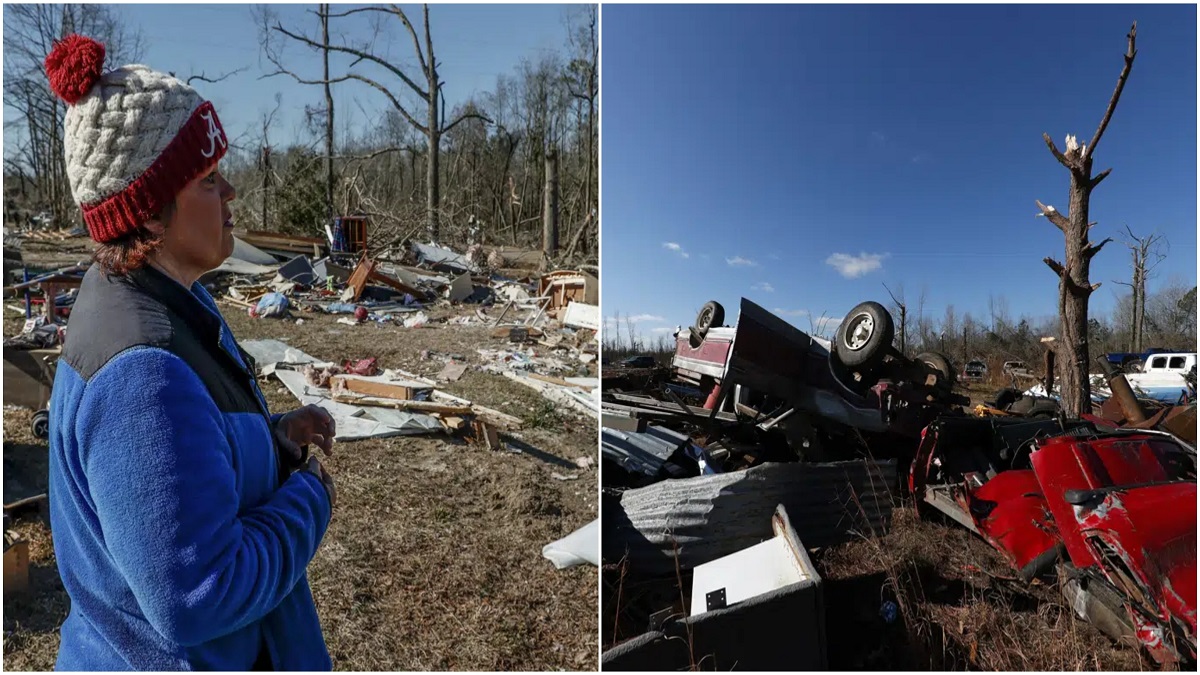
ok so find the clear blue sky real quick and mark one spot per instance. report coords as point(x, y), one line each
point(473, 44)
point(802, 156)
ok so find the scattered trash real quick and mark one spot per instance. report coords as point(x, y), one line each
point(272, 305)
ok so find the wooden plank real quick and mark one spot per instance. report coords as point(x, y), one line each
point(398, 285)
point(16, 567)
point(559, 381)
point(484, 433)
point(453, 422)
point(341, 383)
point(358, 278)
point(419, 406)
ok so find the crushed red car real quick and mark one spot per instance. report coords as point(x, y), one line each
point(1112, 512)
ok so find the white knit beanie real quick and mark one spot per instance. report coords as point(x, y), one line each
point(134, 137)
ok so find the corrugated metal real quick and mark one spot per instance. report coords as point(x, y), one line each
point(702, 519)
point(641, 452)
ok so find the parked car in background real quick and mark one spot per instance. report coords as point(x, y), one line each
point(975, 370)
point(642, 361)
point(1132, 362)
point(1014, 368)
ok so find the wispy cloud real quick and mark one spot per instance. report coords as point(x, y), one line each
point(662, 329)
point(642, 318)
point(790, 312)
point(774, 256)
point(739, 261)
point(826, 325)
point(764, 286)
point(854, 266)
point(879, 137)
point(676, 248)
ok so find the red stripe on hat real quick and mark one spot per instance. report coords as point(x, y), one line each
point(198, 145)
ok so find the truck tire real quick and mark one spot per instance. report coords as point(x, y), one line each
point(942, 365)
point(865, 336)
point(711, 314)
point(1133, 365)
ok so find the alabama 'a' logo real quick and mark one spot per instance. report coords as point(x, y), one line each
point(215, 135)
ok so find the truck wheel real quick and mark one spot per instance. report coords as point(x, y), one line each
point(1133, 365)
point(865, 336)
point(40, 425)
point(941, 364)
point(711, 314)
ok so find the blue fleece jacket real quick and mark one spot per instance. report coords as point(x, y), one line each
point(180, 543)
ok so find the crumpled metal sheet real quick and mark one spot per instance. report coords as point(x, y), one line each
point(704, 518)
point(641, 452)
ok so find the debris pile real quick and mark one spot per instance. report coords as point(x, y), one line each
point(760, 417)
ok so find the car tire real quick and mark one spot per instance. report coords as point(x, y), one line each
point(711, 314)
point(1006, 397)
point(865, 336)
point(40, 424)
point(942, 365)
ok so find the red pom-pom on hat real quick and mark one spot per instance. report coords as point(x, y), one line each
point(74, 66)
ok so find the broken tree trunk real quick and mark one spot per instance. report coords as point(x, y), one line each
point(550, 209)
point(1074, 287)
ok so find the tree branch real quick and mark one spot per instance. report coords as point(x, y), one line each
point(1060, 221)
point(1062, 159)
point(413, 33)
point(202, 77)
point(1099, 177)
point(1091, 251)
point(360, 54)
point(1054, 265)
point(463, 118)
point(1130, 53)
point(395, 102)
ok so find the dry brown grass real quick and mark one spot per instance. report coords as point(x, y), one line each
point(433, 558)
point(962, 607)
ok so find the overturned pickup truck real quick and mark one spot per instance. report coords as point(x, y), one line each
point(766, 368)
point(1111, 512)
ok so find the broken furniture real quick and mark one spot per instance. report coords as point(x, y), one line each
point(760, 608)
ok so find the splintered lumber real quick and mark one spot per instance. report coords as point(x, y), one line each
point(489, 415)
point(404, 391)
point(484, 433)
point(16, 565)
point(358, 278)
point(382, 278)
point(453, 422)
point(422, 406)
point(559, 381)
point(557, 394)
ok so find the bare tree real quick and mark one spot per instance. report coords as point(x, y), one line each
point(902, 310)
point(429, 91)
point(35, 115)
point(1074, 288)
point(1146, 254)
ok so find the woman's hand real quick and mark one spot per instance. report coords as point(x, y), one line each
point(299, 428)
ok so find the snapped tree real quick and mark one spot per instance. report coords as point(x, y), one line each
point(1074, 288)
